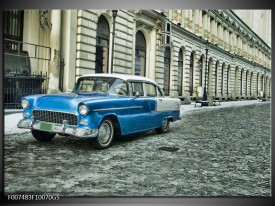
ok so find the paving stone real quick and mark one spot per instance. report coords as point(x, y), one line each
point(222, 152)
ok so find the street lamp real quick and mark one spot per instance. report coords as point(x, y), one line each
point(206, 71)
point(113, 41)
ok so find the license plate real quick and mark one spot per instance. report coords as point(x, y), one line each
point(57, 128)
point(46, 126)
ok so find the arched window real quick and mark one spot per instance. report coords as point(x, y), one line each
point(228, 79)
point(223, 66)
point(200, 71)
point(180, 72)
point(241, 83)
point(167, 62)
point(262, 83)
point(246, 83)
point(140, 60)
point(251, 80)
point(102, 45)
point(191, 74)
point(210, 73)
point(236, 81)
point(216, 78)
point(257, 85)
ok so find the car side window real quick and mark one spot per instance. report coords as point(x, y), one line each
point(119, 87)
point(160, 92)
point(86, 86)
point(150, 90)
point(136, 87)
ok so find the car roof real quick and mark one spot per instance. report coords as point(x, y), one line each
point(125, 77)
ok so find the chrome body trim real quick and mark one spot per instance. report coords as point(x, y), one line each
point(119, 108)
point(58, 128)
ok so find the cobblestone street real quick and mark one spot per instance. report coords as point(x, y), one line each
point(222, 152)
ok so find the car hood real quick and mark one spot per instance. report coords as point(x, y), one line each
point(67, 102)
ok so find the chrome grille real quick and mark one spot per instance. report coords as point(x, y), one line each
point(55, 117)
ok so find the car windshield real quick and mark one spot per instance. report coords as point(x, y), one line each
point(101, 85)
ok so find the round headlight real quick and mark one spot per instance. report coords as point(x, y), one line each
point(25, 104)
point(83, 109)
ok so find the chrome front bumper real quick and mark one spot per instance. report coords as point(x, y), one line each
point(57, 128)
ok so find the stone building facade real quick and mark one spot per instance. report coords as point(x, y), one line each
point(168, 46)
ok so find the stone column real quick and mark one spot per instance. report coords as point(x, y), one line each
point(218, 33)
point(204, 26)
point(152, 54)
point(222, 36)
point(134, 44)
point(190, 20)
point(208, 27)
point(183, 13)
point(241, 46)
point(68, 48)
point(200, 21)
point(215, 31)
point(55, 51)
point(196, 20)
point(227, 37)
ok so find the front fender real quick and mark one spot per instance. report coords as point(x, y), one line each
point(98, 110)
point(95, 118)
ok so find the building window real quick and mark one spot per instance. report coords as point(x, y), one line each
point(210, 72)
point(257, 84)
point(223, 66)
point(228, 79)
point(167, 62)
point(180, 72)
point(216, 78)
point(140, 59)
point(236, 81)
point(102, 45)
point(191, 74)
point(251, 79)
point(200, 71)
point(13, 29)
point(241, 83)
point(246, 83)
point(262, 83)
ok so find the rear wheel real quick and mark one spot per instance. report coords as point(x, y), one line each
point(105, 134)
point(164, 127)
point(42, 136)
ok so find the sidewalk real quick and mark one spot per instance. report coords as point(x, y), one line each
point(12, 117)
point(191, 107)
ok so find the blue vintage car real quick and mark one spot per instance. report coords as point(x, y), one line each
point(101, 106)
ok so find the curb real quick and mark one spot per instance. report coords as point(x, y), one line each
point(12, 111)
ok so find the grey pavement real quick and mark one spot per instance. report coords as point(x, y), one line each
point(223, 152)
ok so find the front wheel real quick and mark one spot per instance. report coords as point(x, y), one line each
point(105, 134)
point(164, 127)
point(42, 136)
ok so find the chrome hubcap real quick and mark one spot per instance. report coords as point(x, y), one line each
point(165, 124)
point(105, 132)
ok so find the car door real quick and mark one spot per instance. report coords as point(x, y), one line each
point(152, 94)
point(139, 113)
